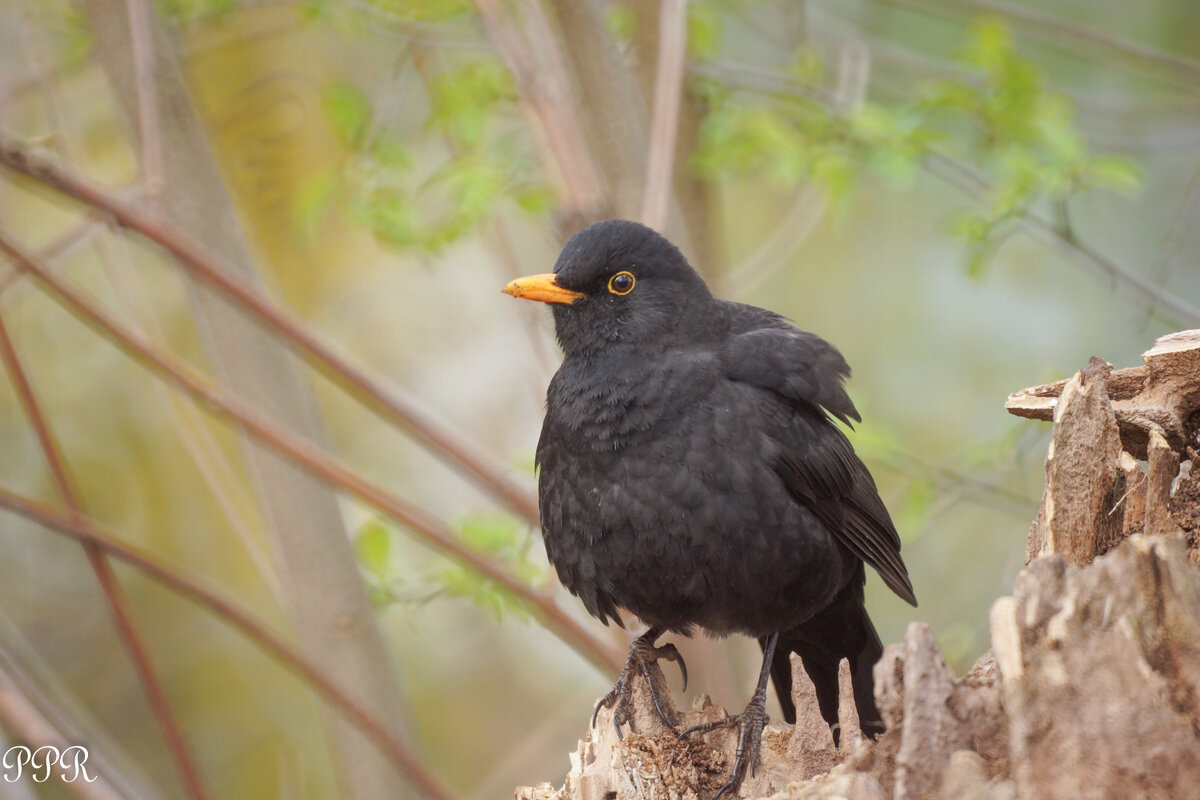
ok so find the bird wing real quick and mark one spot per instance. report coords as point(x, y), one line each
point(813, 458)
point(801, 367)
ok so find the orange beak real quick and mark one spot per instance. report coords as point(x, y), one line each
point(541, 287)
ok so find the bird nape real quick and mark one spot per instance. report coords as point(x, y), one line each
point(692, 473)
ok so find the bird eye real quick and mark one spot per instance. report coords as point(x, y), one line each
point(621, 283)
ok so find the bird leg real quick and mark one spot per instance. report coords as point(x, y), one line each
point(750, 724)
point(642, 660)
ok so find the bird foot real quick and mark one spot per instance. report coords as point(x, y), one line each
point(643, 660)
point(750, 724)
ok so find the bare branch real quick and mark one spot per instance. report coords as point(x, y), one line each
point(425, 526)
point(1050, 26)
point(93, 534)
point(59, 247)
point(20, 715)
point(609, 100)
point(390, 402)
point(668, 81)
point(220, 475)
point(147, 98)
point(547, 100)
point(114, 595)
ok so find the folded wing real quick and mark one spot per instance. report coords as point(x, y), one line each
point(814, 459)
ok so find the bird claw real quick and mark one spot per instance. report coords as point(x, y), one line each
point(669, 652)
point(750, 724)
point(642, 656)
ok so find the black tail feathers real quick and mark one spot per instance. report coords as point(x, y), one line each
point(842, 630)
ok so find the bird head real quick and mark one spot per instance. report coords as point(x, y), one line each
point(620, 284)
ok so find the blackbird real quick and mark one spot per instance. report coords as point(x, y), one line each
point(691, 473)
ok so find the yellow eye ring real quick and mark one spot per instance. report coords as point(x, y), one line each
point(622, 283)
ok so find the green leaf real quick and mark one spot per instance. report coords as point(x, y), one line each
point(313, 202)
point(946, 94)
point(1114, 172)
point(390, 215)
point(838, 174)
point(388, 152)
point(373, 546)
point(808, 67)
point(505, 538)
point(703, 30)
point(348, 113)
point(989, 44)
point(464, 101)
point(534, 198)
point(461, 582)
point(491, 532)
point(971, 226)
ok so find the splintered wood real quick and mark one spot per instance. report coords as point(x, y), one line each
point(1104, 422)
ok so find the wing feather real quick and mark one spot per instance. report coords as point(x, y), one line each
point(815, 460)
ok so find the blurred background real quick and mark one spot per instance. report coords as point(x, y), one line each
point(966, 197)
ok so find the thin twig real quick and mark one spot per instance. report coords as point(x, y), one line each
point(948, 480)
point(797, 224)
point(575, 157)
point(19, 715)
point(1049, 25)
point(808, 208)
point(390, 402)
point(758, 79)
point(92, 533)
point(218, 474)
point(854, 74)
point(964, 178)
point(32, 677)
point(1182, 225)
point(59, 247)
point(548, 105)
point(114, 595)
point(149, 132)
point(668, 83)
point(427, 527)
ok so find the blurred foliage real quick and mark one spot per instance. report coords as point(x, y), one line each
point(495, 534)
point(186, 12)
point(506, 539)
point(1000, 118)
point(421, 206)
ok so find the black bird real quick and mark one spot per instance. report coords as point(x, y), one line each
point(691, 473)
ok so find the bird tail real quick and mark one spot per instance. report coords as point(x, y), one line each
point(841, 630)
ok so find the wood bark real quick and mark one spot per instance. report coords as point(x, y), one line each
point(1091, 688)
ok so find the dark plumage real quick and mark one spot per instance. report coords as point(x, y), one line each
point(692, 474)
